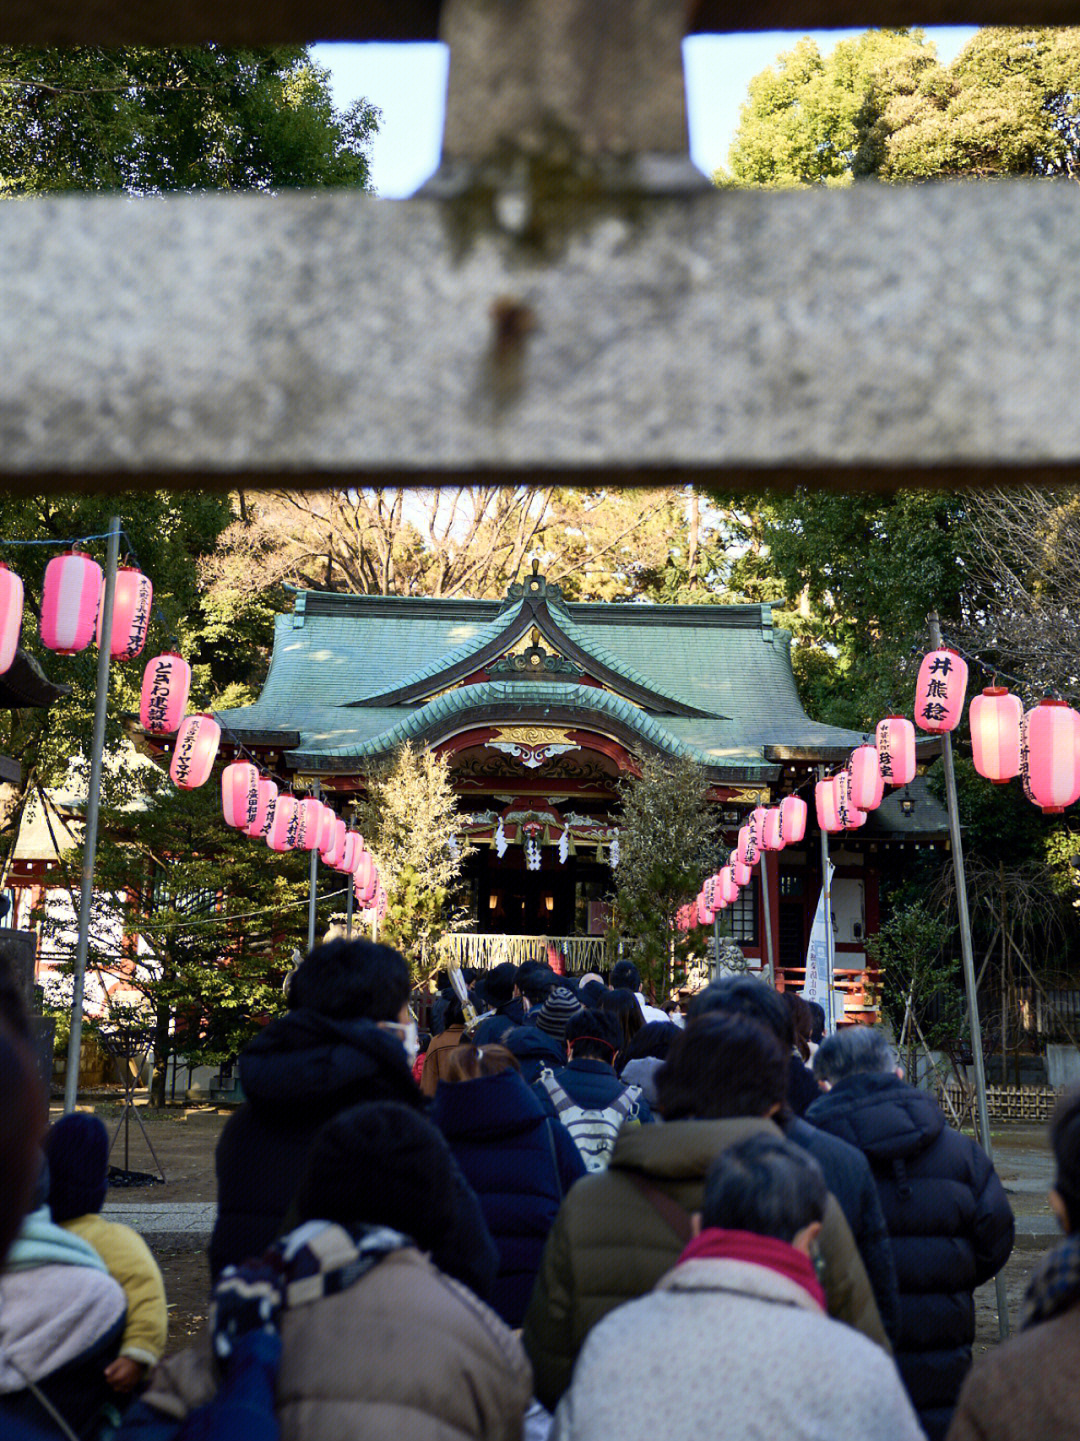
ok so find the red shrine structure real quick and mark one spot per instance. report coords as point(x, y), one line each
point(541, 706)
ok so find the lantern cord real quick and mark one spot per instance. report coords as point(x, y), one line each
point(220, 917)
point(996, 673)
point(71, 540)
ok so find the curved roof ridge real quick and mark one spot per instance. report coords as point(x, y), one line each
point(466, 698)
point(487, 633)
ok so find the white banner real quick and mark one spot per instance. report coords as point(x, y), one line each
point(819, 977)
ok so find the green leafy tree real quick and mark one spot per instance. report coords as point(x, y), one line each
point(147, 121)
point(410, 822)
point(193, 925)
point(883, 106)
point(668, 838)
point(921, 993)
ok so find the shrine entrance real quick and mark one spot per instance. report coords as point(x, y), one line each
point(559, 899)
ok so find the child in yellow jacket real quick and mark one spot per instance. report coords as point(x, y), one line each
point(77, 1148)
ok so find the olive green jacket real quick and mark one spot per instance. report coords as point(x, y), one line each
point(610, 1244)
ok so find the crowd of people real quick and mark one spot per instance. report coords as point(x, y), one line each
point(570, 1215)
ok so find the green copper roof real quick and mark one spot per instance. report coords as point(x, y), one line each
point(714, 682)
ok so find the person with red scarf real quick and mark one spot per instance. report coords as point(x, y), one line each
point(744, 1313)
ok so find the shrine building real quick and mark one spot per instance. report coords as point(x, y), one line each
point(542, 706)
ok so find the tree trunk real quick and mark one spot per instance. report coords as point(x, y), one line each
point(162, 1050)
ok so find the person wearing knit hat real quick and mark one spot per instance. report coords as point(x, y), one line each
point(560, 1005)
point(77, 1148)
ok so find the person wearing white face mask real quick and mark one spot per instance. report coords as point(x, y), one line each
point(347, 1037)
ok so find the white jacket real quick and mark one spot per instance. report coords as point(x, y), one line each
point(725, 1348)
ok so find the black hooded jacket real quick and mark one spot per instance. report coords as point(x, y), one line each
point(303, 1069)
point(949, 1223)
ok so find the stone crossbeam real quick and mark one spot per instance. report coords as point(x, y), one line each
point(927, 332)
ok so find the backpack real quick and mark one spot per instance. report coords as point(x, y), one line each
point(593, 1130)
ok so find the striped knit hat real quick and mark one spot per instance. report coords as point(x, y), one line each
point(560, 1005)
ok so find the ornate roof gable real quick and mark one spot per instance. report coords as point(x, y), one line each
point(535, 604)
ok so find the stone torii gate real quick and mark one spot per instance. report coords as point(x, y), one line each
point(567, 299)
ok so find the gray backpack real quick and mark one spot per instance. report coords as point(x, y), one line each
point(593, 1130)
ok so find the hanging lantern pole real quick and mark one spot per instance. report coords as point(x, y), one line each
point(313, 882)
point(763, 859)
point(348, 912)
point(968, 961)
point(826, 893)
point(97, 749)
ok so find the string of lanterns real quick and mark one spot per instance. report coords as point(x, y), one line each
point(71, 620)
point(1040, 745)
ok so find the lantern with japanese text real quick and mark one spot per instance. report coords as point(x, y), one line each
point(867, 785)
point(70, 598)
point(825, 799)
point(940, 691)
point(729, 891)
point(895, 737)
point(166, 683)
point(756, 821)
point(310, 823)
point(851, 818)
point(793, 824)
point(705, 917)
point(132, 598)
point(740, 872)
point(1050, 755)
point(327, 821)
point(195, 751)
point(366, 894)
point(747, 848)
point(772, 834)
point(281, 835)
point(265, 800)
point(239, 794)
point(11, 609)
point(995, 718)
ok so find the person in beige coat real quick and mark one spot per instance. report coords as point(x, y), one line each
point(618, 1232)
point(376, 1342)
point(1029, 1388)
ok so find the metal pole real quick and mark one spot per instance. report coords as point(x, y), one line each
point(826, 892)
point(313, 884)
point(97, 748)
point(968, 961)
point(348, 912)
point(768, 915)
point(716, 945)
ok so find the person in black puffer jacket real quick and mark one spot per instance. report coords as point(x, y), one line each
point(949, 1221)
point(519, 1160)
point(342, 1041)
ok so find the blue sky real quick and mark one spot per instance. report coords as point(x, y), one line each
point(408, 84)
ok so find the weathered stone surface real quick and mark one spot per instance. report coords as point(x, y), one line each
point(933, 327)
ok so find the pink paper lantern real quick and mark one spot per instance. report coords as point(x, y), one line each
point(195, 751)
point(740, 873)
point(334, 852)
point(867, 784)
point(349, 852)
point(851, 818)
point(281, 835)
point(166, 683)
point(310, 823)
point(825, 802)
point(69, 602)
point(364, 869)
point(756, 821)
point(1050, 755)
point(265, 801)
point(327, 821)
point(132, 598)
point(366, 894)
point(704, 915)
point(239, 794)
point(729, 891)
point(996, 718)
point(747, 848)
point(11, 610)
point(793, 819)
point(940, 691)
point(895, 737)
point(772, 835)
